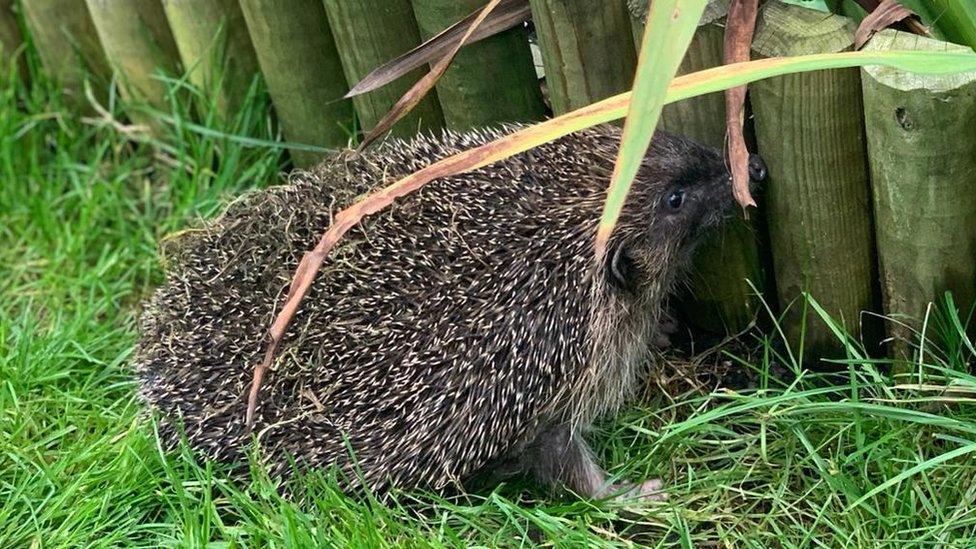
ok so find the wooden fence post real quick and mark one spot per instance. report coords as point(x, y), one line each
point(369, 33)
point(810, 130)
point(587, 50)
point(923, 172)
point(302, 69)
point(719, 299)
point(488, 82)
point(10, 38)
point(68, 46)
point(701, 118)
point(138, 44)
point(212, 39)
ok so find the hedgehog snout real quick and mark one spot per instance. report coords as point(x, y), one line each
point(757, 171)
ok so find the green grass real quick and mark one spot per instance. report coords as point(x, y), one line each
point(798, 459)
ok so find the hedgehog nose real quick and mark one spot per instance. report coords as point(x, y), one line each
point(757, 168)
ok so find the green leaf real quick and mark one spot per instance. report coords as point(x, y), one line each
point(671, 25)
point(953, 20)
point(637, 133)
point(925, 465)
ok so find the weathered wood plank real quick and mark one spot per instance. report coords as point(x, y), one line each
point(10, 37)
point(215, 47)
point(488, 82)
point(587, 50)
point(923, 172)
point(68, 46)
point(139, 46)
point(301, 66)
point(369, 33)
point(811, 133)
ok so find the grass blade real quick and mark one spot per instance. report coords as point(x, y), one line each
point(927, 464)
point(671, 24)
point(952, 20)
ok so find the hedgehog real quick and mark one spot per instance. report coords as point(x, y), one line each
point(467, 331)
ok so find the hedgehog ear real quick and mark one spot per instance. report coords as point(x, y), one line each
point(621, 271)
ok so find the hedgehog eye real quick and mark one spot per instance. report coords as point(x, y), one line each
point(676, 199)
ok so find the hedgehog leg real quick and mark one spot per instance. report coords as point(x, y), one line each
point(666, 327)
point(560, 458)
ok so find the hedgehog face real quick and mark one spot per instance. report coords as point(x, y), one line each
point(682, 191)
point(691, 190)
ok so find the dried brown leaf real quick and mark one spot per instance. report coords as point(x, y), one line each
point(917, 27)
point(508, 14)
point(912, 24)
point(418, 91)
point(739, 29)
point(886, 14)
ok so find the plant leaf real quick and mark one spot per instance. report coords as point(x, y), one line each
point(819, 5)
point(958, 21)
point(883, 16)
point(671, 24)
point(948, 20)
point(912, 471)
point(612, 108)
point(738, 42)
point(418, 91)
point(508, 14)
point(912, 24)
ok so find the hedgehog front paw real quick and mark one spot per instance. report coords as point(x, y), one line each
point(649, 490)
point(665, 327)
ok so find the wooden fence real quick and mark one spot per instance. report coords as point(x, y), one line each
point(870, 204)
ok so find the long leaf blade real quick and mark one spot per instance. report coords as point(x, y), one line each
point(508, 14)
point(671, 24)
point(912, 471)
point(422, 87)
